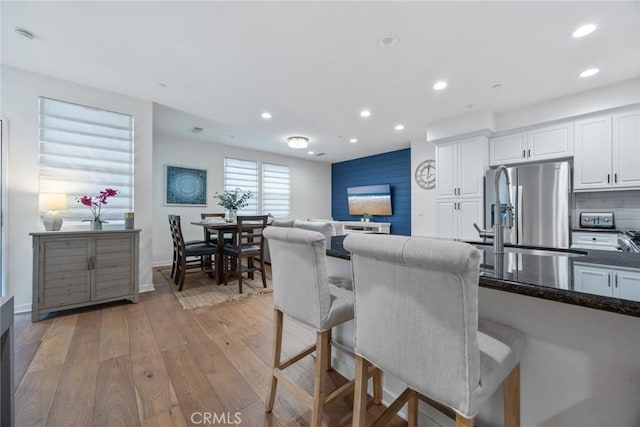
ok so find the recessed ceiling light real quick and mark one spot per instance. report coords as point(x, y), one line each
point(309, 152)
point(399, 126)
point(365, 113)
point(440, 85)
point(584, 30)
point(388, 40)
point(589, 72)
point(353, 140)
point(24, 33)
point(298, 141)
point(266, 115)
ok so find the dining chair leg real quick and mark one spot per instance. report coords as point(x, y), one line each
point(262, 272)
point(327, 354)
point(463, 422)
point(360, 392)
point(322, 346)
point(512, 398)
point(239, 266)
point(275, 360)
point(412, 410)
point(174, 263)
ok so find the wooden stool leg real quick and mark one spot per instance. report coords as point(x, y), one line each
point(322, 347)
point(360, 392)
point(377, 387)
point(275, 360)
point(327, 355)
point(463, 422)
point(512, 398)
point(413, 410)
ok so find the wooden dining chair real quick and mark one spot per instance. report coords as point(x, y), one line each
point(205, 215)
point(174, 260)
point(197, 255)
point(248, 243)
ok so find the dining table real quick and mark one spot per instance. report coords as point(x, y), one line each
point(219, 228)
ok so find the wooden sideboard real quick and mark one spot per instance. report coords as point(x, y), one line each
point(79, 268)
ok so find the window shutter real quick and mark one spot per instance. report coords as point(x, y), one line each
point(276, 190)
point(242, 174)
point(83, 150)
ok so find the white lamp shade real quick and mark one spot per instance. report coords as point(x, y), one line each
point(53, 202)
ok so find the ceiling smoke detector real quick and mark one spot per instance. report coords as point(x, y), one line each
point(388, 40)
point(196, 129)
point(24, 33)
point(298, 142)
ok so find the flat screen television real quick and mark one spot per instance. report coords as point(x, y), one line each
point(372, 199)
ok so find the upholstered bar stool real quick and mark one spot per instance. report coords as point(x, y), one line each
point(416, 304)
point(301, 290)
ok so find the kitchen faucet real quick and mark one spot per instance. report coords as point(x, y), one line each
point(498, 233)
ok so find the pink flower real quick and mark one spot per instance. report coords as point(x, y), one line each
point(95, 202)
point(86, 200)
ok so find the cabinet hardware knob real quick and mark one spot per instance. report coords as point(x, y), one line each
point(524, 154)
point(609, 281)
point(529, 152)
point(608, 178)
point(615, 178)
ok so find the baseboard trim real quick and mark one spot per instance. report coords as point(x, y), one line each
point(22, 308)
point(146, 288)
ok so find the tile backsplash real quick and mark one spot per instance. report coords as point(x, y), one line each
point(624, 204)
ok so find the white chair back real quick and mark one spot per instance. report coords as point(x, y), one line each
point(419, 294)
point(326, 228)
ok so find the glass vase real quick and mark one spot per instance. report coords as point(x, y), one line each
point(96, 225)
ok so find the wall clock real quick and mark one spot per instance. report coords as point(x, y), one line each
point(426, 174)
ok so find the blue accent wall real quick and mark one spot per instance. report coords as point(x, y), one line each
point(393, 168)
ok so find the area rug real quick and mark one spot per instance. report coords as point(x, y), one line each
point(200, 290)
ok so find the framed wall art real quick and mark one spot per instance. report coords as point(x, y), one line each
point(185, 186)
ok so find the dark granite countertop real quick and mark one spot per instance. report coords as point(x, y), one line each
point(548, 275)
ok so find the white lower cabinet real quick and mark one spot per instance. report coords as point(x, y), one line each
point(455, 218)
point(607, 281)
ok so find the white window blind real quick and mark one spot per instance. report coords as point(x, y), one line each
point(276, 190)
point(242, 174)
point(84, 150)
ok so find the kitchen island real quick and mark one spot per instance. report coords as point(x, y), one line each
point(581, 365)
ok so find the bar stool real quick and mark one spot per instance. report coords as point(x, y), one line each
point(420, 295)
point(301, 289)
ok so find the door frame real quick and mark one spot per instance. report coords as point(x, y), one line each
point(4, 142)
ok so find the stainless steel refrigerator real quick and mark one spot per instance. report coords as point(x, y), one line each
point(541, 195)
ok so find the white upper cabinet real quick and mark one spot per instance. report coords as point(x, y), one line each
point(626, 149)
point(508, 149)
point(607, 152)
point(549, 142)
point(460, 167)
point(592, 161)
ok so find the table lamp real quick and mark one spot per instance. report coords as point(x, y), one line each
point(52, 203)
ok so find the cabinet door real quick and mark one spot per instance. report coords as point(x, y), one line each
point(469, 211)
point(64, 274)
point(592, 159)
point(471, 163)
point(446, 219)
point(626, 149)
point(552, 142)
point(508, 149)
point(446, 169)
point(592, 280)
point(626, 284)
point(113, 267)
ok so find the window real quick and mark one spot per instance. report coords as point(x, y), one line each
point(84, 150)
point(276, 190)
point(242, 174)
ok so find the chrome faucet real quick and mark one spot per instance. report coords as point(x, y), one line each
point(498, 233)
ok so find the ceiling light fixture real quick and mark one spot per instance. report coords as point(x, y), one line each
point(298, 141)
point(440, 85)
point(365, 113)
point(399, 126)
point(310, 152)
point(585, 30)
point(353, 140)
point(266, 115)
point(24, 33)
point(388, 40)
point(589, 72)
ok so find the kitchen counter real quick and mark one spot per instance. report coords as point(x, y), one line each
point(549, 276)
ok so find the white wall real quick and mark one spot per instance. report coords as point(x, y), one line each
point(423, 202)
point(19, 105)
point(310, 185)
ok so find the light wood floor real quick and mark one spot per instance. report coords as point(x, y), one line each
point(154, 364)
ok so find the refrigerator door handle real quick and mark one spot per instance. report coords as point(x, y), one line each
point(519, 213)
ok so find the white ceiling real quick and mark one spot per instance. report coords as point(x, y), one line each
point(315, 65)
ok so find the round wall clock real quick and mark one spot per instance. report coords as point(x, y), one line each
point(426, 174)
